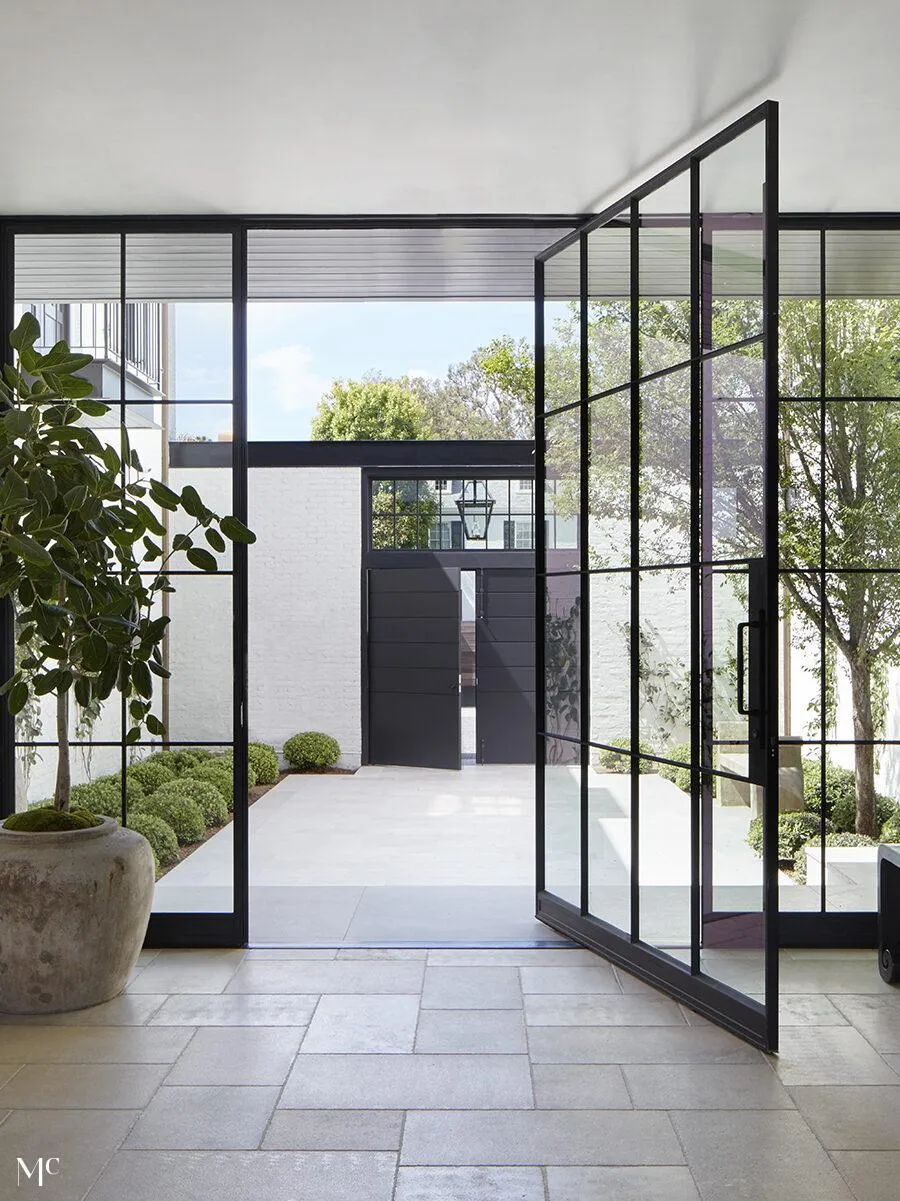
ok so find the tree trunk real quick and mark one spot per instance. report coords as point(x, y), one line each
point(864, 729)
point(63, 766)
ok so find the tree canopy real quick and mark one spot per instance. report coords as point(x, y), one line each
point(369, 409)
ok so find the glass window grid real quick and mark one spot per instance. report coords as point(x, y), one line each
point(416, 514)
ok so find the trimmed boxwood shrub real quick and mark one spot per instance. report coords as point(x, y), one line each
point(838, 839)
point(840, 795)
point(159, 834)
point(183, 815)
point(794, 829)
point(104, 796)
point(264, 762)
point(611, 761)
point(679, 776)
point(890, 831)
point(204, 794)
point(150, 774)
point(218, 773)
point(312, 751)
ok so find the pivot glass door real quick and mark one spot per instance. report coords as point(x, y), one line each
point(657, 675)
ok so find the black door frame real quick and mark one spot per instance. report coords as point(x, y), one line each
point(754, 1022)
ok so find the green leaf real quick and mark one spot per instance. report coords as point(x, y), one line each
point(133, 736)
point(140, 677)
point(29, 550)
point(83, 691)
point(93, 408)
point(215, 540)
point(95, 653)
point(164, 496)
point(159, 670)
point(111, 459)
point(26, 333)
point(152, 550)
point(236, 531)
point(198, 557)
point(182, 542)
point(192, 504)
point(18, 423)
point(18, 697)
point(151, 521)
point(155, 726)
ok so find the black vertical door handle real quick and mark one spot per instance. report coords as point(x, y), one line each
point(742, 706)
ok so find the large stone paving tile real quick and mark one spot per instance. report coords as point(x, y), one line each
point(756, 1156)
point(237, 1055)
point(469, 1184)
point(579, 1086)
point(706, 1086)
point(362, 1025)
point(471, 988)
point(834, 975)
point(598, 1010)
point(621, 1184)
point(240, 1175)
point(644, 1044)
point(853, 1117)
point(876, 1018)
point(337, 976)
point(872, 1175)
point(519, 957)
point(237, 1009)
point(539, 1137)
point(93, 1044)
point(408, 1082)
point(83, 1139)
point(590, 978)
point(334, 1130)
point(472, 1032)
point(188, 971)
point(829, 1055)
point(204, 1118)
point(82, 1086)
point(130, 1009)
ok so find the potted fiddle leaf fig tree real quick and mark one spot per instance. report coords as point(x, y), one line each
point(83, 560)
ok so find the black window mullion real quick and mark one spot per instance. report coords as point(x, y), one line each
point(635, 556)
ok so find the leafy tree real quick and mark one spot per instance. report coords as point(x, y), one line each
point(403, 514)
point(490, 395)
point(370, 409)
point(80, 547)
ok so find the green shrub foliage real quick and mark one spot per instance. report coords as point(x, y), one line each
point(890, 831)
point(150, 774)
point(794, 829)
point(218, 773)
point(104, 796)
point(204, 794)
point(264, 762)
point(46, 819)
point(840, 795)
point(614, 762)
point(159, 834)
point(680, 776)
point(183, 815)
point(312, 751)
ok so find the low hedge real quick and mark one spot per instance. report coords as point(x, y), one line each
point(159, 834)
point(840, 796)
point(312, 751)
point(182, 814)
point(794, 830)
point(890, 831)
point(218, 773)
point(205, 795)
point(264, 761)
point(615, 762)
point(150, 774)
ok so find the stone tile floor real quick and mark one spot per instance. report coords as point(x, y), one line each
point(414, 1075)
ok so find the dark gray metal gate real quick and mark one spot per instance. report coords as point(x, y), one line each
point(504, 657)
point(414, 620)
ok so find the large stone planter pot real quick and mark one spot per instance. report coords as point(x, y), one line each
point(74, 908)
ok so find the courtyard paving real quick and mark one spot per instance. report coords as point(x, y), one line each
point(450, 1075)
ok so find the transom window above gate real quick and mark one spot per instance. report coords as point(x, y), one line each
point(466, 513)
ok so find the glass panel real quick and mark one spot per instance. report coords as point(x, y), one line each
point(609, 478)
point(609, 839)
point(562, 654)
point(563, 486)
point(735, 475)
point(665, 469)
point(799, 341)
point(665, 276)
point(197, 700)
point(562, 821)
point(731, 206)
point(610, 667)
point(562, 347)
point(862, 314)
point(800, 484)
point(665, 815)
point(178, 320)
point(609, 305)
point(862, 483)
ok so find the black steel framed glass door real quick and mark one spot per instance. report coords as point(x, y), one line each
point(657, 788)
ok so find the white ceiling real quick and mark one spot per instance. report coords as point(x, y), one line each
point(431, 106)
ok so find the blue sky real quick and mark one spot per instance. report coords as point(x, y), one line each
point(297, 350)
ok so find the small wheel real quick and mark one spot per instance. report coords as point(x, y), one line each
point(888, 967)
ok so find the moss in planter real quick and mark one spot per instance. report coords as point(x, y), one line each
point(49, 820)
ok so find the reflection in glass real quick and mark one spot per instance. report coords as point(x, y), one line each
point(610, 667)
point(562, 663)
point(562, 822)
point(609, 305)
point(609, 839)
point(562, 352)
point(609, 481)
point(664, 247)
point(665, 469)
point(563, 487)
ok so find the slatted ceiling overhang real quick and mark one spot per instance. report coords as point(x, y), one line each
point(437, 264)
